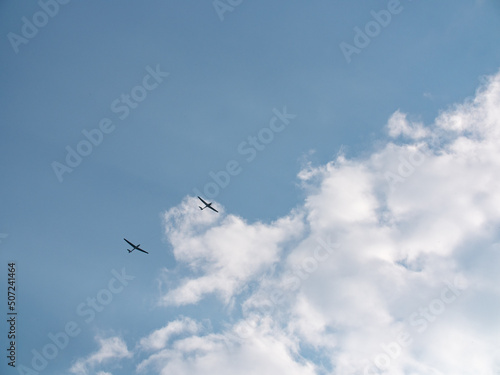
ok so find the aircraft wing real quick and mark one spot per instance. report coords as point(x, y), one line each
point(212, 208)
point(130, 243)
point(144, 251)
point(205, 203)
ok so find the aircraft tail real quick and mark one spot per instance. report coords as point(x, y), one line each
point(200, 208)
point(129, 250)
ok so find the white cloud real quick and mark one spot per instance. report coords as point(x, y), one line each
point(402, 240)
point(390, 266)
point(265, 352)
point(159, 338)
point(399, 246)
point(113, 348)
point(399, 125)
point(226, 254)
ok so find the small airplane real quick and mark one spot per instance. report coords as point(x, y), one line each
point(209, 205)
point(134, 247)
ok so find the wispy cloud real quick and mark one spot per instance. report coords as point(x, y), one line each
point(113, 348)
point(159, 338)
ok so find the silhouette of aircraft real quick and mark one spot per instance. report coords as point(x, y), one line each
point(134, 247)
point(209, 205)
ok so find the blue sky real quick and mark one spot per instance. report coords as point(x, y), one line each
point(426, 82)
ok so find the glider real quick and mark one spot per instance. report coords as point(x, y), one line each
point(209, 205)
point(135, 247)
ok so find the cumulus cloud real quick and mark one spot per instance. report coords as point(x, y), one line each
point(112, 348)
point(413, 226)
point(423, 214)
point(226, 252)
point(390, 265)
